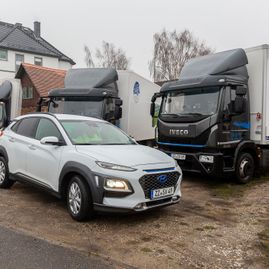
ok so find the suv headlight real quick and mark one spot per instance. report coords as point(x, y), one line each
point(113, 166)
point(115, 184)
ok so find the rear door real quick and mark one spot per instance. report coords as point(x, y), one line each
point(18, 140)
point(43, 160)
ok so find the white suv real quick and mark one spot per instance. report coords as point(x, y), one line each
point(89, 162)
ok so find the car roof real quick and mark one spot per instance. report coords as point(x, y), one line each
point(59, 116)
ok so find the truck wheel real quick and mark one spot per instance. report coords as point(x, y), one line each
point(79, 200)
point(5, 182)
point(245, 168)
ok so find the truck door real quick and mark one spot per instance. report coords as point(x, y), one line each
point(235, 126)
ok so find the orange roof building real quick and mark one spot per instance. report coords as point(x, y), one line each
point(37, 81)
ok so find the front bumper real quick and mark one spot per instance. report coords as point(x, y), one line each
point(150, 205)
point(192, 163)
point(138, 200)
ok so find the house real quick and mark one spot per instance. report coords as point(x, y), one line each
point(36, 82)
point(19, 44)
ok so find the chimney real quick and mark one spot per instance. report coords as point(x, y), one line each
point(37, 28)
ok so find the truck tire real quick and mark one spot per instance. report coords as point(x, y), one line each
point(5, 182)
point(245, 168)
point(79, 200)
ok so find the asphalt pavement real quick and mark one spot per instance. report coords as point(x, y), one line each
point(22, 251)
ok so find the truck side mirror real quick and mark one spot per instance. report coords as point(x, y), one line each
point(118, 102)
point(241, 90)
point(118, 112)
point(152, 109)
point(239, 105)
point(3, 116)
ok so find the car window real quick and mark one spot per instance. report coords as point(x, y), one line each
point(26, 127)
point(15, 126)
point(47, 128)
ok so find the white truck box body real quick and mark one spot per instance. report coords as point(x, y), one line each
point(136, 93)
point(16, 97)
point(258, 72)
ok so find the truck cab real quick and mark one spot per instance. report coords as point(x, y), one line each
point(204, 119)
point(88, 92)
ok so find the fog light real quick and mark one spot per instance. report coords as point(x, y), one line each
point(141, 206)
point(206, 159)
point(174, 198)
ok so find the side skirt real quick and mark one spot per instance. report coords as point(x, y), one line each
point(34, 182)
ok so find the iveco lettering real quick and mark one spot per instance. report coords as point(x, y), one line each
point(88, 162)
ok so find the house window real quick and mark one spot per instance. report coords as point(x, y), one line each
point(27, 92)
point(19, 58)
point(38, 61)
point(3, 55)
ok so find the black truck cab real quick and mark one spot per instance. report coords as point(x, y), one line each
point(204, 119)
point(89, 92)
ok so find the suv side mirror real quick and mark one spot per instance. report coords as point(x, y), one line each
point(239, 105)
point(51, 140)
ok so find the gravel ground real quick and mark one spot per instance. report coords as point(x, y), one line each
point(216, 225)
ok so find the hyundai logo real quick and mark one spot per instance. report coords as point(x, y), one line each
point(162, 179)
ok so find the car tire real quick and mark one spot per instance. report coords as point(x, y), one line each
point(5, 182)
point(79, 199)
point(245, 168)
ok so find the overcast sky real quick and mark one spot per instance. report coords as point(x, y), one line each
point(71, 24)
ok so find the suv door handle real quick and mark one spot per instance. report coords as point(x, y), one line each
point(32, 147)
point(11, 139)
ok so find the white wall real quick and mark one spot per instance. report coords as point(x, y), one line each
point(7, 68)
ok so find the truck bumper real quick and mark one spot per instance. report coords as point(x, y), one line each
point(192, 163)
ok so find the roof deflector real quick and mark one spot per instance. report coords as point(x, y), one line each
point(86, 78)
point(213, 69)
point(222, 63)
point(5, 90)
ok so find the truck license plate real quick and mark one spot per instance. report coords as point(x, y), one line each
point(162, 192)
point(177, 156)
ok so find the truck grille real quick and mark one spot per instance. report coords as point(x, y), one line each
point(152, 182)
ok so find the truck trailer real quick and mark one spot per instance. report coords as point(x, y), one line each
point(215, 119)
point(120, 97)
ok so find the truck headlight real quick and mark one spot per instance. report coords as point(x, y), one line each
point(206, 159)
point(113, 166)
point(115, 184)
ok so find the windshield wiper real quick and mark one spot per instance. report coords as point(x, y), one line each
point(170, 114)
point(193, 114)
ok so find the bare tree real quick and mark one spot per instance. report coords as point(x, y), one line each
point(107, 56)
point(171, 51)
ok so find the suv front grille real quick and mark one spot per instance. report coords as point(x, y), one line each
point(152, 182)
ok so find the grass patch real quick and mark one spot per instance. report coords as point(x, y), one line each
point(233, 190)
point(147, 250)
point(264, 239)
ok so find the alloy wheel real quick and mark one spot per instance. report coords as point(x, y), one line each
point(2, 172)
point(74, 198)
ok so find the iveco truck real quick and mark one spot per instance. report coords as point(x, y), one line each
point(120, 97)
point(215, 119)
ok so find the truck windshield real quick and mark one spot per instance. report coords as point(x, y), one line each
point(198, 101)
point(82, 107)
point(86, 132)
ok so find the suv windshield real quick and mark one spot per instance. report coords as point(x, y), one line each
point(76, 106)
point(85, 132)
point(198, 101)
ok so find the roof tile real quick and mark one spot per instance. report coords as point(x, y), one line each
point(44, 79)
